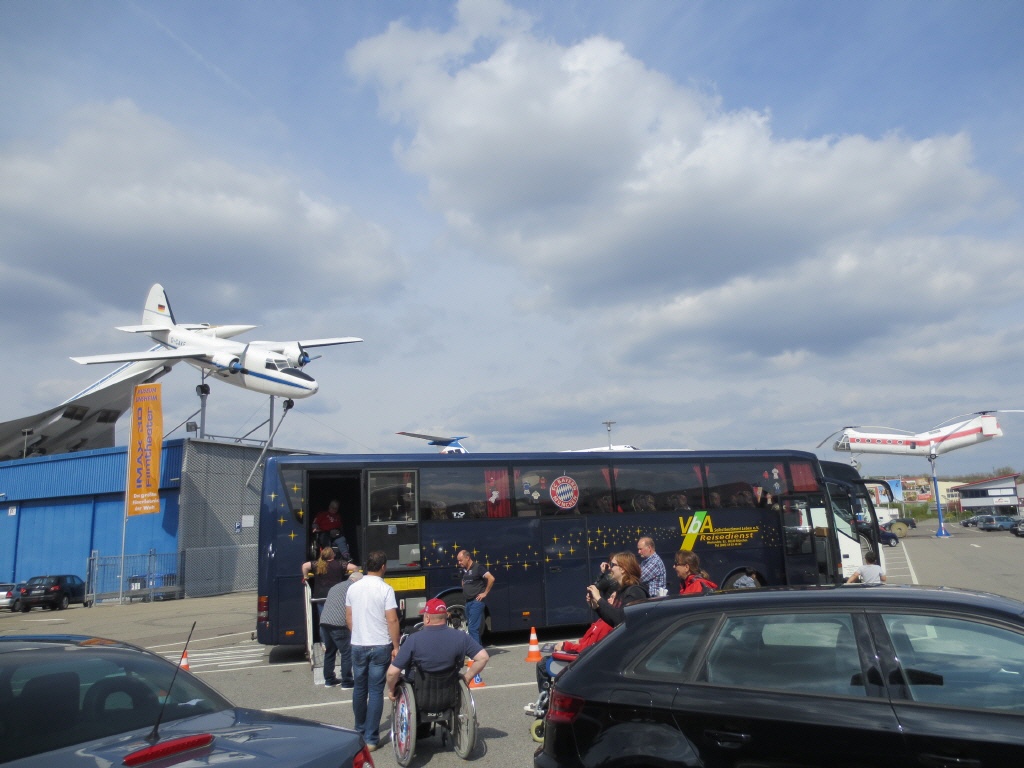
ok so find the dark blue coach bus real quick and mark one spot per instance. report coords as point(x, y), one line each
point(542, 522)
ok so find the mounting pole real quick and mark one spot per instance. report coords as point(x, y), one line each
point(941, 532)
point(608, 425)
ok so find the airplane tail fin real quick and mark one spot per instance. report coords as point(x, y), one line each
point(158, 308)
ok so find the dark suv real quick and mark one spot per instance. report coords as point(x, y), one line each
point(54, 592)
point(880, 676)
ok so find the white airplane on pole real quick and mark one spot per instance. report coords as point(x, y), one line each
point(269, 367)
point(958, 432)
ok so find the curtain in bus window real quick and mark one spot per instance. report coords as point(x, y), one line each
point(804, 479)
point(498, 503)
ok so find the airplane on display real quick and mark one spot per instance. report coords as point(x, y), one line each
point(959, 432)
point(269, 367)
point(452, 444)
point(448, 444)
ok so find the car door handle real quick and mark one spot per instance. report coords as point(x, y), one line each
point(948, 761)
point(729, 739)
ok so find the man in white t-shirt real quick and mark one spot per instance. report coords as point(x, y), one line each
point(869, 573)
point(371, 611)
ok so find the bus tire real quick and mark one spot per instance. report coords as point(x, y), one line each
point(900, 529)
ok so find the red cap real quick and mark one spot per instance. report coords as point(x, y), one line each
point(435, 607)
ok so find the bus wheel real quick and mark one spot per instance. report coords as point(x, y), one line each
point(900, 529)
point(457, 617)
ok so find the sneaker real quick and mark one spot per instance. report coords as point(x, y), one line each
point(372, 747)
point(332, 683)
point(531, 709)
point(348, 685)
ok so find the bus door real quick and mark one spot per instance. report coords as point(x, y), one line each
point(392, 526)
point(566, 570)
point(799, 540)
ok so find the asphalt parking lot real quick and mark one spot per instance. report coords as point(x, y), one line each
point(224, 653)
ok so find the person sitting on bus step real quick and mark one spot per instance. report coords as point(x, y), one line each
point(869, 573)
point(692, 580)
point(327, 527)
point(625, 571)
point(436, 648)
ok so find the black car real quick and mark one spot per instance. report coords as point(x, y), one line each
point(84, 701)
point(54, 592)
point(880, 676)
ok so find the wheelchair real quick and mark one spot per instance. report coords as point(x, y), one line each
point(547, 670)
point(427, 702)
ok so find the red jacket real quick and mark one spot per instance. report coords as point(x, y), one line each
point(595, 632)
point(695, 585)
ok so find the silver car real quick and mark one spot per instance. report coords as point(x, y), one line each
point(6, 595)
point(84, 701)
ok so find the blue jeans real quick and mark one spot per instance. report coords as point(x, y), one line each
point(474, 617)
point(370, 667)
point(337, 639)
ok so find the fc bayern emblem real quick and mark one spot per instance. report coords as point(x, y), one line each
point(565, 493)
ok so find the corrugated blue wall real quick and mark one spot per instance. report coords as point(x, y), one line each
point(55, 510)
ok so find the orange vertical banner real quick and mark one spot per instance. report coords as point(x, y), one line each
point(142, 492)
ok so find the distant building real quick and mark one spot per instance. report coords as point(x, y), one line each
point(997, 496)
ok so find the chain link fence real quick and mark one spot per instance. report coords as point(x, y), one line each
point(218, 532)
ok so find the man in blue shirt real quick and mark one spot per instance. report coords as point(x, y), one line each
point(652, 568)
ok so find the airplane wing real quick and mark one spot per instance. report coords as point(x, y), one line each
point(82, 422)
point(163, 353)
point(434, 439)
point(284, 346)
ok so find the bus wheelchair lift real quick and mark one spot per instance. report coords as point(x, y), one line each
point(426, 702)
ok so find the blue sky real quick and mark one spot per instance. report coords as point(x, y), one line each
point(720, 225)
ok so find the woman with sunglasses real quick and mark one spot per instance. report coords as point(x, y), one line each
point(625, 572)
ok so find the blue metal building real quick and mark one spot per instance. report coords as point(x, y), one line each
point(57, 510)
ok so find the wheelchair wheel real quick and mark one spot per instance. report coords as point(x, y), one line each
point(537, 731)
point(403, 724)
point(464, 726)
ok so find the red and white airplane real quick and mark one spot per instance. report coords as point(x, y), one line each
point(960, 432)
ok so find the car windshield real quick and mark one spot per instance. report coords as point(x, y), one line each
point(78, 693)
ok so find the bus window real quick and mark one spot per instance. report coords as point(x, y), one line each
point(660, 487)
point(392, 524)
point(561, 490)
point(464, 493)
point(745, 483)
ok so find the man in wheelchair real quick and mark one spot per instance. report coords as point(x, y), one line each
point(437, 648)
point(430, 663)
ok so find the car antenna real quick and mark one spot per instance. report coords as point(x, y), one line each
point(154, 735)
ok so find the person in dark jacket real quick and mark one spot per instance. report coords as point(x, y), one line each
point(625, 571)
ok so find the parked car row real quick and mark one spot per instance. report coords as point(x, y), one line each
point(858, 675)
point(86, 701)
point(53, 592)
point(991, 522)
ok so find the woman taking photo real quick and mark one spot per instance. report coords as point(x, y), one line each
point(624, 571)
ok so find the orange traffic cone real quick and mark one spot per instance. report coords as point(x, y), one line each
point(184, 660)
point(477, 682)
point(534, 654)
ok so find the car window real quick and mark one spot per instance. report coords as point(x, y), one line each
point(959, 662)
point(80, 696)
point(803, 653)
point(673, 654)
